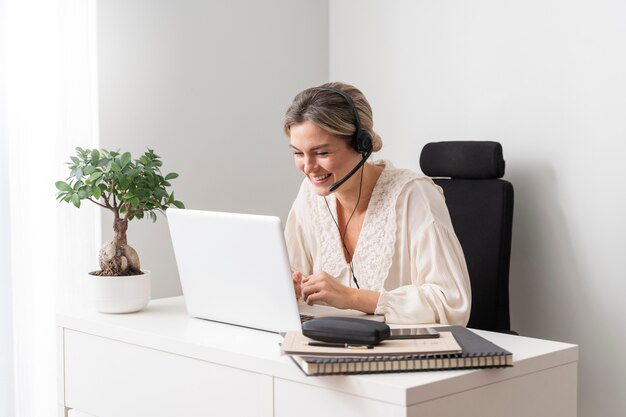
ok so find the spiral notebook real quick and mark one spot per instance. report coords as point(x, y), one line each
point(477, 352)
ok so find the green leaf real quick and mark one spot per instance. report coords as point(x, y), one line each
point(171, 176)
point(115, 167)
point(79, 173)
point(179, 204)
point(159, 193)
point(95, 157)
point(126, 157)
point(89, 170)
point(95, 175)
point(124, 182)
point(96, 192)
point(63, 186)
point(133, 173)
point(84, 193)
point(76, 200)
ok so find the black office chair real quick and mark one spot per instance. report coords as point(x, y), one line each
point(481, 209)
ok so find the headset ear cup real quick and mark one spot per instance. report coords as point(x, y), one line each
point(363, 142)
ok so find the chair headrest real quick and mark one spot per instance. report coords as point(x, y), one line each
point(462, 159)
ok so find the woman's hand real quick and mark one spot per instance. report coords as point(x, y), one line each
point(297, 279)
point(324, 287)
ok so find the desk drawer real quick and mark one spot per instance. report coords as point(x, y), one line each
point(108, 378)
point(293, 399)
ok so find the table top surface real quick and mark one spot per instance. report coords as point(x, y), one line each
point(165, 325)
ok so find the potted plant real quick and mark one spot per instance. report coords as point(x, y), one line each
point(131, 189)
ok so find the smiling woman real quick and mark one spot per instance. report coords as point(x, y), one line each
point(385, 230)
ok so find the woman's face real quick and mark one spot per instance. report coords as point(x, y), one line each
point(321, 156)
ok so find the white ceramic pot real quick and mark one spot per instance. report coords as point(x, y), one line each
point(120, 294)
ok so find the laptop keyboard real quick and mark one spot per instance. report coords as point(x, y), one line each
point(305, 317)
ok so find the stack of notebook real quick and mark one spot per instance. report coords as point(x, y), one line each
point(456, 348)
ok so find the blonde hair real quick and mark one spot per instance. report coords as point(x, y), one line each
point(331, 112)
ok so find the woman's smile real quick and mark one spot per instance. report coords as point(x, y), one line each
point(319, 179)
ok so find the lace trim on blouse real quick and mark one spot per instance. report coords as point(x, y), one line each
point(375, 247)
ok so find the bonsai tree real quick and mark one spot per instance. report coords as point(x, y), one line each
point(131, 189)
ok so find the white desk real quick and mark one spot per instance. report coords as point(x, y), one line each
point(161, 362)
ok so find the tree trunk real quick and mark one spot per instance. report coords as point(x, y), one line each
point(117, 258)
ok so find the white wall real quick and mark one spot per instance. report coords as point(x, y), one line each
point(206, 84)
point(546, 79)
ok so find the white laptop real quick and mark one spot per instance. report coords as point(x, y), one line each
point(234, 269)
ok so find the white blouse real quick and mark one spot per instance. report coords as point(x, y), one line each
point(407, 249)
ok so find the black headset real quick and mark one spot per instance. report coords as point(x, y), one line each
point(361, 139)
point(361, 142)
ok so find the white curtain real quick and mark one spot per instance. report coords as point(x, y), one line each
point(6, 305)
point(49, 106)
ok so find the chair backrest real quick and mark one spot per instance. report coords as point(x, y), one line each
point(481, 209)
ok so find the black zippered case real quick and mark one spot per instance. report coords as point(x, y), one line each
point(346, 330)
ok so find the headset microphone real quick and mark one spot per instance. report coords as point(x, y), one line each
point(339, 183)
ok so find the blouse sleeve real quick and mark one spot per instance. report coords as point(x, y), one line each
point(297, 240)
point(435, 287)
